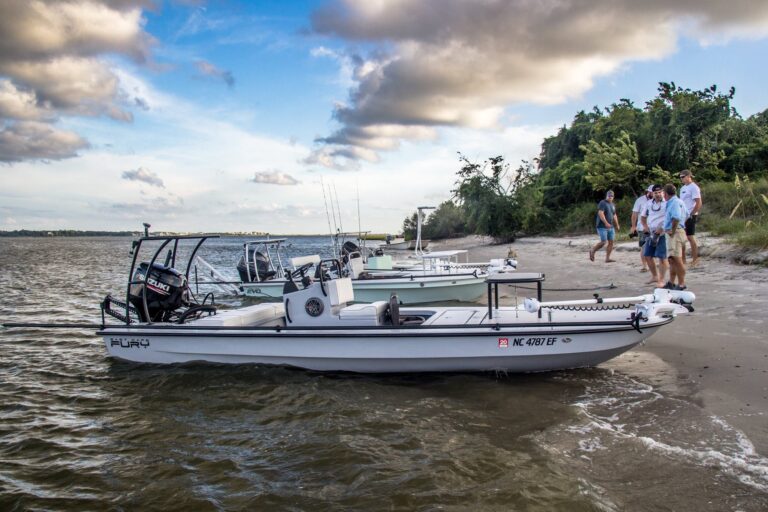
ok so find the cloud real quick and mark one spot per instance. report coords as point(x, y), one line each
point(169, 206)
point(274, 178)
point(20, 103)
point(205, 68)
point(52, 64)
point(144, 175)
point(32, 140)
point(439, 63)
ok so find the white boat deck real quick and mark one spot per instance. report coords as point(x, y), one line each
point(472, 316)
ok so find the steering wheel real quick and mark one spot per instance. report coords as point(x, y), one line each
point(299, 272)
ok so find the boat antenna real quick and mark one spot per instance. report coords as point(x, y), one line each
point(327, 215)
point(419, 216)
point(359, 227)
point(338, 209)
point(335, 233)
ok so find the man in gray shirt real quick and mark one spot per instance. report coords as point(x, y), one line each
point(607, 223)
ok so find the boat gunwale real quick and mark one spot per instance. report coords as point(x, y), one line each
point(292, 331)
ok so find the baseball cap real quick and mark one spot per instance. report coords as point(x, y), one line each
point(685, 172)
point(657, 187)
point(650, 188)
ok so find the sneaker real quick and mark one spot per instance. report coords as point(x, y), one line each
point(680, 288)
point(669, 286)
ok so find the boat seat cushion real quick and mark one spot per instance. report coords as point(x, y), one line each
point(340, 291)
point(357, 310)
point(243, 317)
point(364, 314)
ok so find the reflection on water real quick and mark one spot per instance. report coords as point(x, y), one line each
point(80, 431)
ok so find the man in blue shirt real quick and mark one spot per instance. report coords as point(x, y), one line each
point(606, 223)
point(674, 221)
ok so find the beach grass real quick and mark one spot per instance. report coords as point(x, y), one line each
point(737, 210)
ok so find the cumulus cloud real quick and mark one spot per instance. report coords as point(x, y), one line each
point(32, 140)
point(274, 177)
point(144, 175)
point(457, 63)
point(52, 64)
point(21, 103)
point(205, 68)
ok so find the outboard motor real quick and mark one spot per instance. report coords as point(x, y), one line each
point(348, 249)
point(166, 291)
point(257, 264)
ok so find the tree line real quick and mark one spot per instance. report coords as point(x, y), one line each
point(622, 147)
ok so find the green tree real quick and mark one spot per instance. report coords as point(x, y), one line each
point(489, 204)
point(613, 166)
point(447, 221)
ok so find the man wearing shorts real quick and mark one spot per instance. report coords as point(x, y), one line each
point(655, 248)
point(690, 193)
point(674, 217)
point(636, 225)
point(607, 223)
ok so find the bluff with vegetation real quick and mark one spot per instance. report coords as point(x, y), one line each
point(625, 148)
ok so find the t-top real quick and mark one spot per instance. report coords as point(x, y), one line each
point(609, 210)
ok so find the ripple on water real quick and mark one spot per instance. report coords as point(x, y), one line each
point(630, 437)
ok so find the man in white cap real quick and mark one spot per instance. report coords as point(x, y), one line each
point(690, 193)
point(637, 226)
point(656, 244)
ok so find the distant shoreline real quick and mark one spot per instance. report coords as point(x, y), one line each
point(53, 233)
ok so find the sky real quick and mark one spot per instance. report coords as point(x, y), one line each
point(307, 116)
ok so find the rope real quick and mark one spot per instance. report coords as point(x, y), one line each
point(591, 308)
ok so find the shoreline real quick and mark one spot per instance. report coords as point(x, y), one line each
point(717, 357)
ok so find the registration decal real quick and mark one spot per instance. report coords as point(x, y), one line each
point(503, 342)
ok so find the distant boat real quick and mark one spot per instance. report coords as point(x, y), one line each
point(401, 244)
point(263, 274)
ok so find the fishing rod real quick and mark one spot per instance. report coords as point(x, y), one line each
point(338, 209)
point(359, 226)
point(327, 215)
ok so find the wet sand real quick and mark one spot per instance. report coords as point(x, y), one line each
point(716, 357)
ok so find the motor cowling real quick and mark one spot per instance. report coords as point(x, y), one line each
point(166, 291)
point(349, 250)
point(257, 264)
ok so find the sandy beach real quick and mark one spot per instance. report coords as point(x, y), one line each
point(716, 358)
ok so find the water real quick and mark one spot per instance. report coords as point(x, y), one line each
point(79, 431)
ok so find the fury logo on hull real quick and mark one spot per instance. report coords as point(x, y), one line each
point(129, 342)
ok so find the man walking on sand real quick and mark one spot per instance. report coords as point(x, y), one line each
point(656, 244)
point(607, 223)
point(690, 193)
point(674, 217)
point(636, 225)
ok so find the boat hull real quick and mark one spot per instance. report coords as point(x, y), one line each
point(380, 350)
